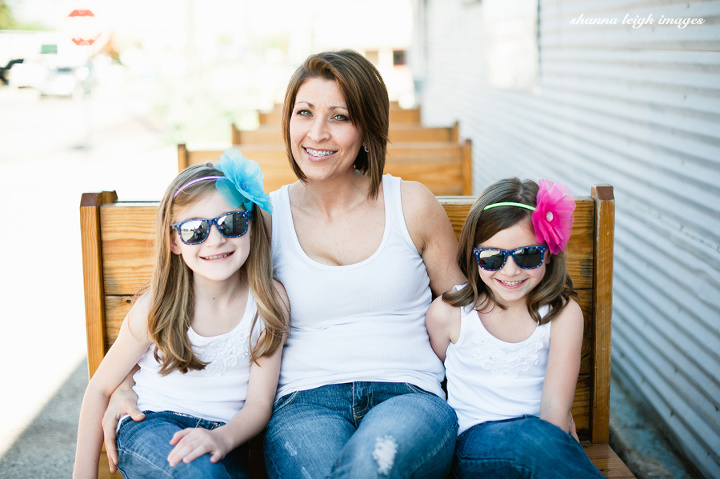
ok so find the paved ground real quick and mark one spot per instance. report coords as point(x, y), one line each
point(52, 151)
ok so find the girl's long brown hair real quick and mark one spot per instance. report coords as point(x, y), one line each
point(555, 289)
point(173, 300)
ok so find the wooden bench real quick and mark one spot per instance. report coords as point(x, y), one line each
point(398, 133)
point(397, 115)
point(117, 242)
point(444, 167)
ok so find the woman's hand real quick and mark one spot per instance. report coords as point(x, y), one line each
point(122, 402)
point(192, 443)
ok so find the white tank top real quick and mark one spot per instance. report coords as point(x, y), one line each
point(489, 379)
point(357, 322)
point(215, 393)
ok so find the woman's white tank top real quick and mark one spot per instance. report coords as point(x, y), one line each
point(357, 322)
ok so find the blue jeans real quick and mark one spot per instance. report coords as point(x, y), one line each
point(360, 430)
point(143, 448)
point(524, 447)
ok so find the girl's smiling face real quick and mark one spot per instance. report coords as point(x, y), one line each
point(324, 141)
point(217, 258)
point(511, 284)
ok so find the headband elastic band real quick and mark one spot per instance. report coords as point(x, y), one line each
point(196, 180)
point(510, 203)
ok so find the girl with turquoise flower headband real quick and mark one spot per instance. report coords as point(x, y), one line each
point(207, 334)
point(510, 385)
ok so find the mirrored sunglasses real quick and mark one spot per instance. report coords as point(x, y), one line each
point(230, 225)
point(493, 259)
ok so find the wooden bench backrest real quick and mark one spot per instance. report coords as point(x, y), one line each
point(397, 115)
point(444, 167)
point(398, 133)
point(117, 245)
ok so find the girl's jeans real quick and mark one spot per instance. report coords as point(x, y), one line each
point(143, 448)
point(524, 447)
point(360, 430)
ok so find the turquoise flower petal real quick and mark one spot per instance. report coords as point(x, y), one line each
point(243, 182)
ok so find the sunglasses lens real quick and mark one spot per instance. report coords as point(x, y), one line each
point(233, 225)
point(194, 231)
point(529, 257)
point(491, 259)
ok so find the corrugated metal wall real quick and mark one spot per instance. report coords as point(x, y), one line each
point(637, 108)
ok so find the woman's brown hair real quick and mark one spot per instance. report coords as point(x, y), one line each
point(171, 285)
point(554, 290)
point(368, 105)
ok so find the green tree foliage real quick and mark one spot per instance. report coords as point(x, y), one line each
point(6, 19)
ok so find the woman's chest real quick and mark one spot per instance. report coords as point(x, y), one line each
point(340, 240)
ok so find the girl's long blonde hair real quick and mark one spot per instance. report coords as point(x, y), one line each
point(173, 300)
point(556, 287)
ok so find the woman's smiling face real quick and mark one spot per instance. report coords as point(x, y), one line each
point(325, 142)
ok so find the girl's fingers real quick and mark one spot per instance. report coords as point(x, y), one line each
point(189, 446)
point(177, 437)
point(194, 454)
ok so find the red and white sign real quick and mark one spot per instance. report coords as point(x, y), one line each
point(82, 27)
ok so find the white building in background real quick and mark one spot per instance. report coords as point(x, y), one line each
point(623, 93)
point(380, 29)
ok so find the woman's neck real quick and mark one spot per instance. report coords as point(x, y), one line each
point(328, 196)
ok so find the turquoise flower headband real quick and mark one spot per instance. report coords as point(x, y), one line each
point(242, 184)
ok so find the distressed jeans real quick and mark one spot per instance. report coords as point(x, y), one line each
point(143, 448)
point(524, 447)
point(360, 430)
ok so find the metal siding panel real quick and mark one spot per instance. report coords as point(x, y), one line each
point(638, 109)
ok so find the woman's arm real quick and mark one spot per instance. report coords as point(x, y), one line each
point(563, 366)
point(433, 235)
point(123, 401)
point(130, 345)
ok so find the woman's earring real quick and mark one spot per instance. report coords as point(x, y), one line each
point(366, 149)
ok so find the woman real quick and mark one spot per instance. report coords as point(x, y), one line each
point(360, 255)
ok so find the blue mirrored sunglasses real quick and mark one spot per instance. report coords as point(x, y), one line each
point(230, 225)
point(493, 259)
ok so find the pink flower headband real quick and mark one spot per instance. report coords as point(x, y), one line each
point(552, 218)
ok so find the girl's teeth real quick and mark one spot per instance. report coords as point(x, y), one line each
point(217, 256)
point(510, 283)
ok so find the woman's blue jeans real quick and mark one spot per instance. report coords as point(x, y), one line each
point(360, 430)
point(524, 447)
point(143, 448)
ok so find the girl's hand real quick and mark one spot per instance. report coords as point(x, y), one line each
point(573, 427)
point(192, 443)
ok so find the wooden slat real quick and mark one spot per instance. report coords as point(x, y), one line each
point(398, 133)
point(441, 166)
point(127, 244)
point(92, 256)
point(410, 115)
point(602, 287)
point(103, 471)
point(581, 406)
point(607, 461)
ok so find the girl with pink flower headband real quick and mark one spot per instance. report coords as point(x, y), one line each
point(510, 385)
